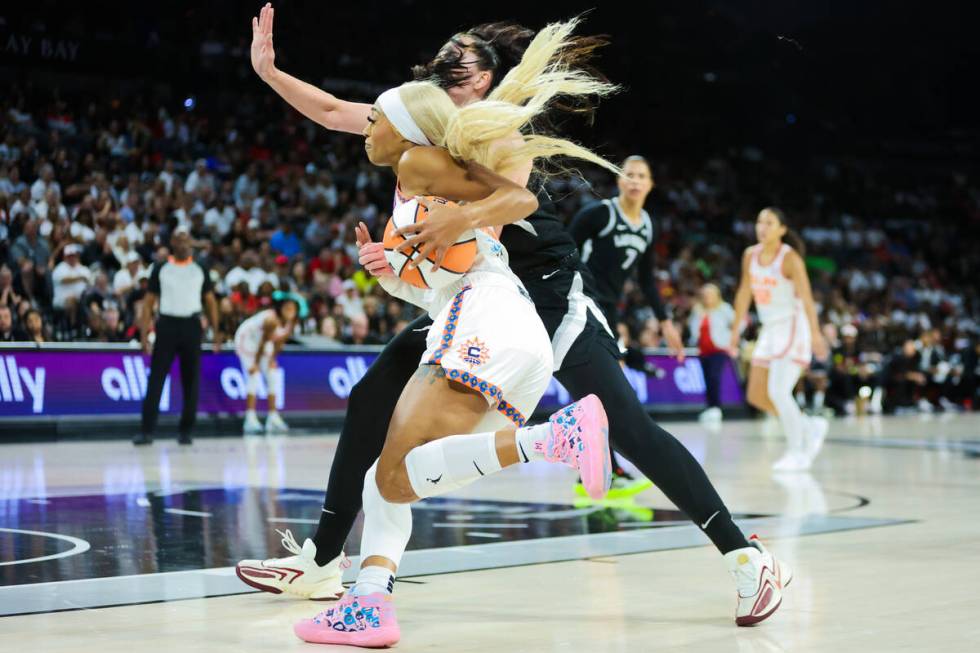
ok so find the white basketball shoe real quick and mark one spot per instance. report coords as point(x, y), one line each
point(792, 461)
point(759, 579)
point(252, 424)
point(274, 423)
point(297, 574)
point(816, 433)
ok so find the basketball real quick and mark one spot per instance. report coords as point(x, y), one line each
point(458, 259)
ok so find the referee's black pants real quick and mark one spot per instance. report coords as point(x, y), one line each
point(175, 336)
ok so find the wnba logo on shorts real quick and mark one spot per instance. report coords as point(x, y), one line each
point(474, 352)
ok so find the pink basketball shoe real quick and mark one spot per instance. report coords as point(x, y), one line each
point(368, 621)
point(580, 439)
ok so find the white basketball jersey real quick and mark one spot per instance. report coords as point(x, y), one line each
point(249, 333)
point(774, 294)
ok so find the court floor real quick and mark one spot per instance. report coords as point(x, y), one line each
point(105, 548)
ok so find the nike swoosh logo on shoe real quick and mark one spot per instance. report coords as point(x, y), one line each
point(434, 480)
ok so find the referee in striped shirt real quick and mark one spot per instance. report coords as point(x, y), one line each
point(180, 285)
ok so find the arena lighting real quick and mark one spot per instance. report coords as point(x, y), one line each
point(189, 103)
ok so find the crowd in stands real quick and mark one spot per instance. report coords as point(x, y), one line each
point(91, 190)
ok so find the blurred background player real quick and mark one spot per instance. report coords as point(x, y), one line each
point(258, 341)
point(615, 238)
point(711, 330)
point(774, 276)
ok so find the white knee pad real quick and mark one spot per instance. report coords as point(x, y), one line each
point(387, 526)
point(450, 463)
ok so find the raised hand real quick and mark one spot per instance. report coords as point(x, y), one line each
point(371, 255)
point(262, 52)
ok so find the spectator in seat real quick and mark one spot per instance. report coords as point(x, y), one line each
point(8, 294)
point(711, 330)
point(285, 241)
point(44, 183)
point(360, 333)
point(350, 300)
point(125, 279)
point(903, 379)
point(247, 270)
point(935, 368)
point(30, 245)
point(34, 326)
point(7, 331)
point(70, 279)
point(199, 179)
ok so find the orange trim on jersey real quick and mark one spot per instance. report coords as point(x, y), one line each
point(488, 390)
point(398, 192)
point(187, 261)
point(780, 256)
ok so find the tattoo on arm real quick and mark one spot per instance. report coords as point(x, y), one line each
point(431, 373)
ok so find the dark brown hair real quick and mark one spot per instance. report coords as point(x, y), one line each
point(791, 237)
point(498, 47)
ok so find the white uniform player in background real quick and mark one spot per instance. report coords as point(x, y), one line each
point(258, 341)
point(774, 276)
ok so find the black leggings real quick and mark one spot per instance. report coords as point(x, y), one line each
point(369, 408)
point(654, 451)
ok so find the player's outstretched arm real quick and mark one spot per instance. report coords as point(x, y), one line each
point(314, 103)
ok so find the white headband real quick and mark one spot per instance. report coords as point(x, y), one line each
point(394, 109)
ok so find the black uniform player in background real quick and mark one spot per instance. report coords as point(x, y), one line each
point(615, 239)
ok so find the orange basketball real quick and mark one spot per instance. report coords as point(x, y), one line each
point(456, 263)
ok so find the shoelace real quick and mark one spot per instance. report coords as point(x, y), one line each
point(289, 542)
point(746, 579)
point(747, 575)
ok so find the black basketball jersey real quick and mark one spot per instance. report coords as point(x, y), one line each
point(539, 241)
point(614, 248)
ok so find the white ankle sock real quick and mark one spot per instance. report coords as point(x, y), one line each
point(250, 414)
point(372, 579)
point(452, 462)
point(530, 441)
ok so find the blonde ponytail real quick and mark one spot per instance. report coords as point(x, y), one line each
point(544, 73)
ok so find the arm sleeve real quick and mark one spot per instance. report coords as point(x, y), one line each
point(648, 284)
point(588, 222)
point(155, 280)
point(404, 291)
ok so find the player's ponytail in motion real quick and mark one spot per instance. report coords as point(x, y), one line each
point(791, 237)
point(545, 73)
